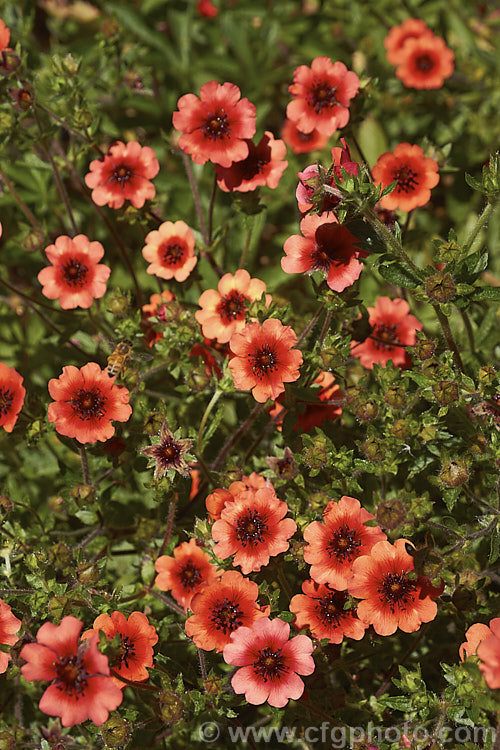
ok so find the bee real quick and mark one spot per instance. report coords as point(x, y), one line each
point(119, 357)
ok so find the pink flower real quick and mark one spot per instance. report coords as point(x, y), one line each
point(125, 173)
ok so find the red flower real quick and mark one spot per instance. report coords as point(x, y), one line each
point(123, 174)
point(215, 126)
point(155, 308)
point(252, 528)
point(325, 246)
point(264, 165)
point(219, 498)
point(425, 62)
point(335, 543)
point(270, 662)
point(75, 277)
point(210, 362)
point(85, 402)
point(302, 143)
point(4, 35)
point(321, 96)
point(264, 358)
point(221, 607)
point(397, 37)
point(206, 8)
point(414, 175)
point(185, 573)
point(81, 687)
point(393, 328)
point(170, 250)
point(9, 625)
point(313, 415)
point(223, 311)
point(321, 609)
point(391, 598)
point(137, 638)
point(12, 395)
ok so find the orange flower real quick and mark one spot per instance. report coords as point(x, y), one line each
point(397, 37)
point(264, 358)
point(223, 311)
point(137, 638)
point(170, 250)
point(253, 529)
point(302, 143)
point(391, 598)
point(12, 395)
point(9, 625)
point(4, 35)
point(425, 62)
point(185, 573)
point(414, 175)
point(474, 636)
point(264, 165)
point(220, 608)
point(85, 402)
point(321, 609)
point(335, 543)
point(485, 642)
point(75, 277)
point(123, 174)
point(155, 308)
point(217, 500)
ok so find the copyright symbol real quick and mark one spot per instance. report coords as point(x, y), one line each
point(209, 732)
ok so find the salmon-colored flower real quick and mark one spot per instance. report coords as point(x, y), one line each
point(85, 402)
point(394, 42)
point(485, 642)
point(253, 528)
point(216, 126)
point(221, 607)
point(155, 308)
point(264, 165)
point(185, 573)
point(12, 395)
point(393, 328)
point(80, 684)
point(270, 662)
point(321, 96)
point(475, 635)
point(75, 276)
point(325, 246)
point(321, 609)
point(124, 173)
point(391, 597)
point(4, 35)
point(170, 251)
point(302, 143)
point(414, 174)
point(223, 311)
point(137, 638)
point(425, 62)
point(217, 500)
point(9, 625)
point(340, 539)
point(265, 359)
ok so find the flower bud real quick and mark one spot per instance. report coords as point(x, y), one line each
point(118, 303)
point(316, 454)
point(9, 62)
point(424, 348)
point(375, 449)
point(464, 598)
point(440, 287)
point(454, 473)
point(34, 240)
point(401, 429)
point(487, 374)
point(115, 731)
point(445, 392)
point(197, 378)
point(366, 410)
point(171, 707)
point(153, 422)
point(60, 555)
point(395, 396)
point(83, 494)
point(390, 514)
point(23, 97)
point(285, 467)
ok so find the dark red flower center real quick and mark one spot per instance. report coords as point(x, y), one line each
point(190, 575)
point(172, 253)
point(330, 608)
point(74, 273)
point(121, 174)
point(71, 675)
point(216, 126)
point(250, 527)
point(321, 96)
point(344, 544)
point(263, 361)
point(406, 177)
point(384, 335)
point(89, 404)
point(226, 615)
point(6, 399)
point(396, 590)
point(270, 665)
point(168, 452)
point(232, 306)
point(305, 137)
point(424, 63)
point(127, 650)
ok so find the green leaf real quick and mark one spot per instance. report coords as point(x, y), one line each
point(486, 293)
point(398, 702)
point(399, 274)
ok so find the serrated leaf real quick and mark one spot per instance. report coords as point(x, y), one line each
point(486, 293)
point(399, 274)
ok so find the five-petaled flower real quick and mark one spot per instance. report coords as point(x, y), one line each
point(484, 641)
point(185, 573)
point(220, 497)
point(9, 625)
point(253, 528)
point(340, 539)
point(85, 402)
point(80, 684)
point(125, 173)
point(302, 143)
point(322, 610)
point(216, 126)
point(12, 393)
point(167, 453)
point(75, 276)
point(170, 251)
point(220, 607)
point(393, 328)
point(426, 62)
point(270, 662)
point(223, 310)
point(265, 358)
point(321, 96)
point(414, 175)
point(391, 592)
point(135, 651)
point(264, 165)
point(394, 42)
